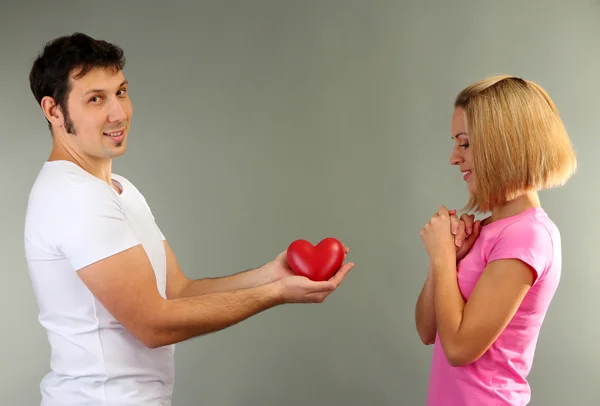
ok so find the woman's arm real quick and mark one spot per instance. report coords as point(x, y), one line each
point(425, 312)
point(465, 231)
point(467, 330)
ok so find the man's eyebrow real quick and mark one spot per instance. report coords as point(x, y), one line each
point(103, 90)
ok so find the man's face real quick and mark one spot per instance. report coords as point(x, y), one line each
point(98, 114)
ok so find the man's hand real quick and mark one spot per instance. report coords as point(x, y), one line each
point(465, 231)
point(299, 289)
point(278, 268)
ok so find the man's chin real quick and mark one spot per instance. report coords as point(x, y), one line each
point(116, 151)
point(120, 151)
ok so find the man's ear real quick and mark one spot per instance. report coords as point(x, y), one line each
point(52, 111)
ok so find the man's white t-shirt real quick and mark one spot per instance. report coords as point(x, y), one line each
point(75, 219)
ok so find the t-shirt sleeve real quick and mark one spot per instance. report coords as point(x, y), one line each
point(88, 224)
point(527, 240)
point(151, 214)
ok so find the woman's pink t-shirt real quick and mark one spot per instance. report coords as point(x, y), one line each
point(499, 376)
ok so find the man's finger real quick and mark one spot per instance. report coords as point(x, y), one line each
point(322, 286)
point(341, 273)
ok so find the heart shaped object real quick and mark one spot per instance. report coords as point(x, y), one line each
point(318, 263)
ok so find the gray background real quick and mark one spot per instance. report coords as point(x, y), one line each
point(260, 122)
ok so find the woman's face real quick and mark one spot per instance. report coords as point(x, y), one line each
point(462, 155)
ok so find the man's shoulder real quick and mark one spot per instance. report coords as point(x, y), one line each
point(75, 215)
point(61, 189)
point(61, 179)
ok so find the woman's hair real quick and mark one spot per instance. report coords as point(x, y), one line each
point(518, 139)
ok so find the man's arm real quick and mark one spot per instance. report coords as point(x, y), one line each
point(93, 233)
point(179, 286)
point(126, 286)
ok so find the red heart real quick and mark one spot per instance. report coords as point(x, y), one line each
point(318, 263)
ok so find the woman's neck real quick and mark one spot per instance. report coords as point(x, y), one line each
point(524, 202)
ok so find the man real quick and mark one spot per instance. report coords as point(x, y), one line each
point(110, 291)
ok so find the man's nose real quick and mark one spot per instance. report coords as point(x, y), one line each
point(117, 112)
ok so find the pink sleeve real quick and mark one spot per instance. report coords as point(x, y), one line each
point(527, 240)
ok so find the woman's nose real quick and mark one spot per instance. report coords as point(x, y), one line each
point(456, 158)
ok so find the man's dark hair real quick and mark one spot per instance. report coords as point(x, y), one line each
point(68, 55)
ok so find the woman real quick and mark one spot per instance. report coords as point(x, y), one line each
point(483, 311)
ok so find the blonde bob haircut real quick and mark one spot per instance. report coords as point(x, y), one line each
point(519, 142)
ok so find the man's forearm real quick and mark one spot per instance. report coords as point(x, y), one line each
point(242, 280)
point(184, 318)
